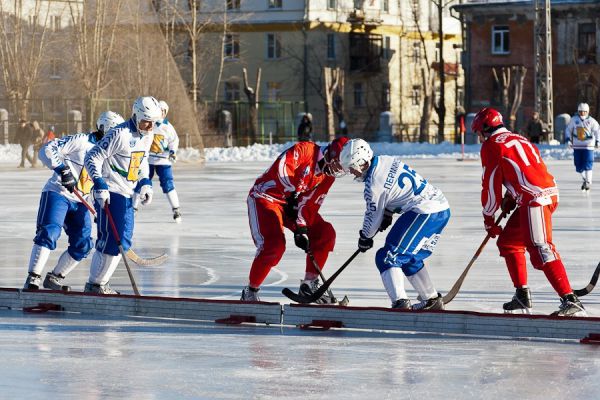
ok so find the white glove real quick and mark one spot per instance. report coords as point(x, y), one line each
point(146, 193)
point(102, 197)
point(172, 157)
point(569, 145)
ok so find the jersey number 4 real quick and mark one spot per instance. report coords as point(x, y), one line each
point(418, 183)
point(518, 145)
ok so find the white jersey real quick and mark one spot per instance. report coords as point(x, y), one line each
point(69, 151)
point(165, 142)
point(391, 184)
point(120, 158)
point(583, 133)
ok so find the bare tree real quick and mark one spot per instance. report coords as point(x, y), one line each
point(94, 29)
point(510, 81)
point(22, 47)
point(333, 78)
point(252, 96)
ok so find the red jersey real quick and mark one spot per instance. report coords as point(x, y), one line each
point(295, 171)
point(511, 160)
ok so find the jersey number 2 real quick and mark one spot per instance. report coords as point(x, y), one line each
point(411, 176)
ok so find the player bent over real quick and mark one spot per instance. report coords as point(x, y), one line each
point(393, 187)
point(510, 160)
point(116, 164)
point(163, 153)
point(59, 207)
point(289, 194)
point(583, 135)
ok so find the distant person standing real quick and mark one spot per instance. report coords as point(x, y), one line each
point(583, 135)
point(37, 140)
point(305, 128)
point(24, 135)
point(536, 130)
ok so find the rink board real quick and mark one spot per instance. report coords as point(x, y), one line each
point(445, 322)
point(145, 306)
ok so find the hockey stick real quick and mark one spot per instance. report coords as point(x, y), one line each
point(118, 239)
point(456, 287)
point(345, 300)
point(143, 262)
point(316, 295)
point(591, 285)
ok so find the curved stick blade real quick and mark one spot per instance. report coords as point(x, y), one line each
point(146, 262)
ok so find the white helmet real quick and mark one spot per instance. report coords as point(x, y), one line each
point(356, 155)
point(108, 120)
point(583, 107)
point(164, 106)
point(146, 109)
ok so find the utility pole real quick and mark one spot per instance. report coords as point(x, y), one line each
point(543, 64)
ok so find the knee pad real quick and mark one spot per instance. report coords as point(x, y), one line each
point(412, 268)
point(81, 249)
point(47, 236)
point(167, 185)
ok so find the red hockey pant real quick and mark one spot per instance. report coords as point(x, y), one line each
point(531, 228)
point(267, 220)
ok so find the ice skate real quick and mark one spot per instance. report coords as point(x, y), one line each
point(55, 282)
point(99, 289)
point(250, 294)
point(570, 307)
point(177, 215)
point(585, 187)
point(433, 304)
point(307, 288)
point(521, 302)
point(33, 282)
point(402, 304)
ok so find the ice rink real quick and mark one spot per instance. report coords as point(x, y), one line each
point(210, 255)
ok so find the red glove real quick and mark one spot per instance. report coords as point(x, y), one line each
point(490, 226)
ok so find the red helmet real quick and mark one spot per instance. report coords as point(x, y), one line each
point(332, 157)
point(485, 119)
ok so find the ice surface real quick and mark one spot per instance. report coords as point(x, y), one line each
point(210, 254)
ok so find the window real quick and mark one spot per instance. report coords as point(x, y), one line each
point(275, 3)
point(33, 20)
point(586, 44)
point(500, 40)
point(273, 91)
point(54, 68)
point(358, 4)
point(231, 47)
point(331, 4)
point(233, 4)
point(416, 53)
point(359, 95)
point(386, 96)
point(273, 46)
point(232, 91)
point(387, 48)
point(385, 5)
point(415, 96)
point(57, 22)
point(331, 46)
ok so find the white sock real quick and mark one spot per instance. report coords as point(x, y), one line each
point(422, 284)
point(102, 267)
point(37, 260)
point(587, 175)
point(173, 198)
point(65, 264)
point(393, 282)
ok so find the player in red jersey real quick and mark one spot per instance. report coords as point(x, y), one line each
point(289, 194)
point(510, 160)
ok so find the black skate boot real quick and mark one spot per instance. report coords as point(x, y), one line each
point(521, 302)
point(307, 288)
point(570, 306)
point(250, 294)
point(585, 186)
point(401, 304)
point(177, 215)
point(432, 304)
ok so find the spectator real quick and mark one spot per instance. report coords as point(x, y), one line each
point(37, 140)
point(305, 128)
point(536, 130)
point(24, 134)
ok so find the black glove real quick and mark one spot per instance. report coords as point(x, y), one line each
point(387, 220)
point(301, 238)
point(291, 207)
point(67, 179)
point(364, 243)
point(508, 203)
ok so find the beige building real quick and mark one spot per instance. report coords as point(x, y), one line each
point(375, 43)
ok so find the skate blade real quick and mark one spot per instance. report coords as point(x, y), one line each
point(344, 302)
point(526, 311)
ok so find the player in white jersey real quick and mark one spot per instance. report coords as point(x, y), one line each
point(116, 164)
point(59, 207)
point(393, 187)
point(163, 153)
point(583, 134)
